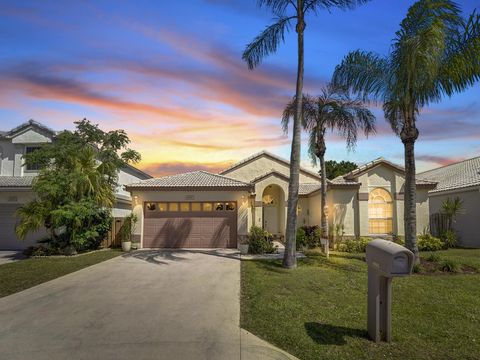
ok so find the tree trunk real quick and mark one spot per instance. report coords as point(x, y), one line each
point(290, 257)
point(321, 149)
point(409, 135)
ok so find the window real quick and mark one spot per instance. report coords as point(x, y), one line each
point(380, 211)
point(196, 207)
point(230, 206)
point(219, 207)
point(151, 206)
point(31, 167)
point(185, 206)
point(162, 206)
point(172, 206)
point(207, 207)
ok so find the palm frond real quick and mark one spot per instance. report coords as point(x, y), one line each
point(460, 67)
point(365, 73)
point(278, 7)
point(315, 5)
point(267, 42)
point(308, 112)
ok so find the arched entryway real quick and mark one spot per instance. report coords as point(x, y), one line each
point(273, 208)
point(380, 212)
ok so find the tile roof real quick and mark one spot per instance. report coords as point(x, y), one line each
point(268, 154)
point(16, 181)
point(308, 188)
point(349, 177)
point(200, 179)
point(455, 176)
point(340, 180)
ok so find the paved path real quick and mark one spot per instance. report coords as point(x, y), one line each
point(7, 256)
point(151, 305)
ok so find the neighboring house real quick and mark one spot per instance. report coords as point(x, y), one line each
point(463, 180)
point(201, 210)
point(16, 181)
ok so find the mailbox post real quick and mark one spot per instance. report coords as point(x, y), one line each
point(385, 261)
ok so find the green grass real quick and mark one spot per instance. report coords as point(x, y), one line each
point(318, 311)
point(21, 275)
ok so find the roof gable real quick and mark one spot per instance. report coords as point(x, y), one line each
point(270, 156)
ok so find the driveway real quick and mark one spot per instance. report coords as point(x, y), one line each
point(147, 305)
point(7, 256)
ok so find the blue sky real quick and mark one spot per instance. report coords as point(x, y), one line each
point(171, 75)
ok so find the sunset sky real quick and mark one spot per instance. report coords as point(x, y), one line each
point(170, 73)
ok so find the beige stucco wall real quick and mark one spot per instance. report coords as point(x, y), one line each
point(467, 224)
point(241, 197)
point(345, 203)
point(342, 209)
point(263, 165)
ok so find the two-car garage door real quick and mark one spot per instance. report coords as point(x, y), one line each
point(190, 225)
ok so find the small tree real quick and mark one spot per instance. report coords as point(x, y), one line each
point(334, 168)
point(76, 185)
point(451, 208)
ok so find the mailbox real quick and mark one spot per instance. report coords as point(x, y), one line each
point(385, 260)
point(389, 259)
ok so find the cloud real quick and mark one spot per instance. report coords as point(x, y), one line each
point(439, 160)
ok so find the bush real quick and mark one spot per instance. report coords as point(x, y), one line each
point(417, 268)
point(260, 241)
point(40, 250)
point(433, 257)
point(449, 238)
point(398, 239)
point(301, 239)
point(448, 265)
point(354, 245)
point(312, 236)
point(427, 242)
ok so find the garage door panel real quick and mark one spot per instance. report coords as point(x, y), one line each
point(190, 230)
point(8, 238)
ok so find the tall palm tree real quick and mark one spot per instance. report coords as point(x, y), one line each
point(333, 109)
point(435, 53)
point(266, 43)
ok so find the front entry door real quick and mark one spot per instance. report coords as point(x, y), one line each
point(270, 219)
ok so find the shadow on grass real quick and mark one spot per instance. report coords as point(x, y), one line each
point(271, 265)
point(332, 335)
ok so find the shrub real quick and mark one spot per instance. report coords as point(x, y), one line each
point(433, 257)
point(354, 245)
point(313, 234)
point(398, 239)
point(449, 238)
point(417, 268)
point(301, 238)
point(260, 241)
point(427, 242)
point(448, 265)
point(40, 250)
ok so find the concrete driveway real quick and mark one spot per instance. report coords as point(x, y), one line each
point(148, 305)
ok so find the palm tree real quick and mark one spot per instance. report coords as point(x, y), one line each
point(451, 208)
point(333, 109)
point(436, 52)
point(266, 43)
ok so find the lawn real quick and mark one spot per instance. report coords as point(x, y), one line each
point(319, 310)
point(21, 275)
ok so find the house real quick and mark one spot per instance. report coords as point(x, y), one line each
point(200, 209)
point(461, 179)
point(16, 181)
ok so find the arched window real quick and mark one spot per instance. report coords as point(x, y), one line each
point(380, 209)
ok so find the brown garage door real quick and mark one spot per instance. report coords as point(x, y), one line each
point(190, 225)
